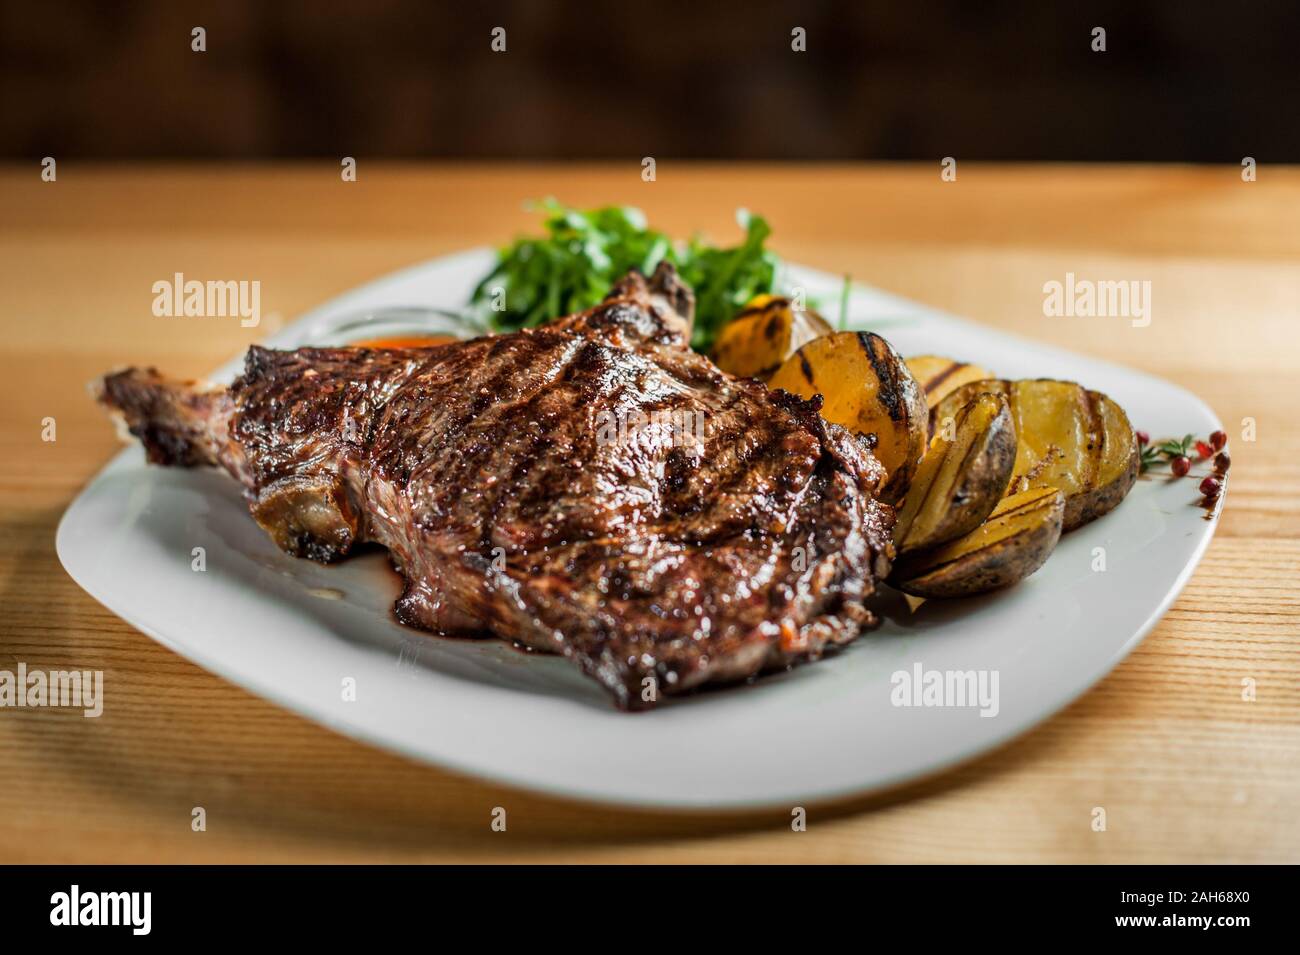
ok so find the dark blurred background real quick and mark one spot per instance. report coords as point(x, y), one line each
point(404, 79)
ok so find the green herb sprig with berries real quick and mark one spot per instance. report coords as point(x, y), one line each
point(1179, 455)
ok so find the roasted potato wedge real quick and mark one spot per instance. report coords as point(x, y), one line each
point(940, 377)
point(1014, 542)
point(764, 334)
point(1067, 437)
point(867, 388)
point(961, 478)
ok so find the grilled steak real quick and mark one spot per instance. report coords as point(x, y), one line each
point(591, 488)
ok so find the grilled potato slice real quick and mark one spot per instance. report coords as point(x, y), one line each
point(765, 333)
point(940, 377)
point(1068, 437)
point(961, 478)
point(867, 388)
point(1014, 542)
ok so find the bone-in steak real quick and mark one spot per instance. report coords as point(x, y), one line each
point(592, 488)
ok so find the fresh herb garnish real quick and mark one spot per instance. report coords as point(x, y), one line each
point(1151, 456)
point(1176, 449)
point(1180, 454)
point(1177, 454)
point(1168, 451)
point(583, 253)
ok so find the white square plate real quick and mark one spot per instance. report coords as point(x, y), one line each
point(293, 632)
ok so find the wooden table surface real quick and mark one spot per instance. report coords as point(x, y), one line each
point(1186, 769)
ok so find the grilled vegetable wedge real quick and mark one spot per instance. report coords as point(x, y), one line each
point(1014, 542)
point(940, 377)
point(867, 388)
point(961, 478)
point(1068, 437)
point(767, 332)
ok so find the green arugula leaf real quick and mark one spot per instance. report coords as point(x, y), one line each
point(583, 253)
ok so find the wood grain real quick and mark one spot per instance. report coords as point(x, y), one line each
point(1186, 769)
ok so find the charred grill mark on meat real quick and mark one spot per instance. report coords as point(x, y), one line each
point(648, 562)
